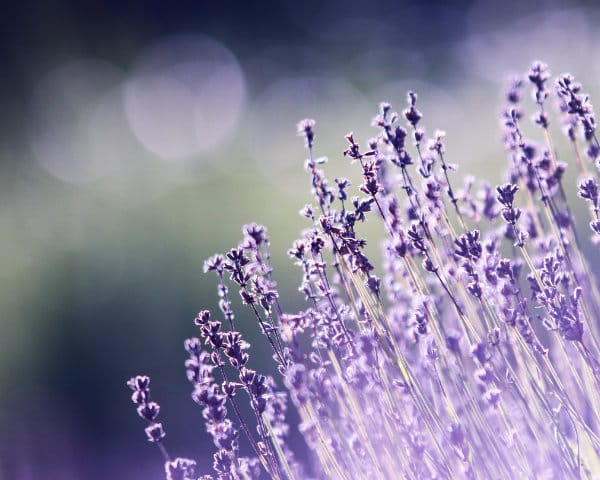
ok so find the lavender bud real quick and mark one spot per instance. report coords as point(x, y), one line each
point(593, 151)
point(588, 190)
point(506, 194)
point(429, 266)
point(180, 469)
point(192, 346)
point(214, 264)
point(229, 388)
point(538, 75)
point(222, 463)
point(305, 129)
point(148, 411)
point(155, 432)
point(141, 382)
point(374, 284)
point(203, 318)
point(247, 376)
point(307, 212)
point(513, 95)
point(140, 397)
point(411, 114)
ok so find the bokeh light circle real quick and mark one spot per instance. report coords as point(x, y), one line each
point(185, 96)
point(76, 123)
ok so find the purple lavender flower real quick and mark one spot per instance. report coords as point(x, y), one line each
point(470, 353)
point(305, 129)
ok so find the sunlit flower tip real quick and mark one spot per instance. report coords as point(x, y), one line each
point(305, 129)
point(514, 94)
point(214, 263)
point(256, 232)
point(538, 75)
point(305, 125)
point(307, 211)
point(139, 397)
point(180, 469)
point(411, 98)
point(384, 108)
point(506, 194)
point(139, 382)
point(203, 318)
point(149, 411)
point(155, 432)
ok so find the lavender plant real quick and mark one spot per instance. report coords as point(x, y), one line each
point(474, 352)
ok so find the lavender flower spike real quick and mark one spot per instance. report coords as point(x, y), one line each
point(471, 352)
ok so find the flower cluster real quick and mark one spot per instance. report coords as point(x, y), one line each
point(471, 353)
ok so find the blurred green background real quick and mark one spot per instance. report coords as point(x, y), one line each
point(137, 138)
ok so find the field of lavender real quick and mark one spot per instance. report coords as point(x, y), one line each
point(136, 138)
point(471, 352)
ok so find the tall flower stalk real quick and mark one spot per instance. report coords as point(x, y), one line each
point(472, 353)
